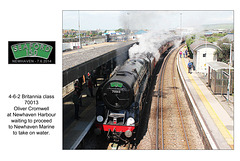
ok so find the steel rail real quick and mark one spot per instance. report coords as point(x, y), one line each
point(177, 100)
point(160, 93)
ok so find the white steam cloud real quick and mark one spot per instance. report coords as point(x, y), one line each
point(157, 22)
point(150, 43)
point(152, 20)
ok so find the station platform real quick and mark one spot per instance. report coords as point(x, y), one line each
point(213, 111)
point(75, 130)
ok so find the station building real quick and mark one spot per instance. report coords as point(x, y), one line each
point(203, 52)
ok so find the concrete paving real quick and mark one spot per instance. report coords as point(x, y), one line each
point(216, 112)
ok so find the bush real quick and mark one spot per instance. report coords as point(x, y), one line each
point(224, 54)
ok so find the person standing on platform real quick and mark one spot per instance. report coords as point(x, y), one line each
point(94, 78)
point(80, 80)
point(77, 87)
point(180, 53)
point(189, 67)
point(186, 52)
point(77, 100)
point(90, 86)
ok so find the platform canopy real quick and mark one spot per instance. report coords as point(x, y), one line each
point(219, 65)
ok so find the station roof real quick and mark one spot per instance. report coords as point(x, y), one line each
point(229, 36)
point(198, 43)
point(219, 65)
point(80, 62)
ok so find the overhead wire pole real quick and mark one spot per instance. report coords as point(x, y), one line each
point(181, 25)
point(80, 45)
point(128, 25)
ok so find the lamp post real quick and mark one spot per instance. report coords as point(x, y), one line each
point(229, 74)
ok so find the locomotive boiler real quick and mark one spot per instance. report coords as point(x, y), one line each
point(119, 99)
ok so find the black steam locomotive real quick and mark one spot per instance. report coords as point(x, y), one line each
point(119, 99)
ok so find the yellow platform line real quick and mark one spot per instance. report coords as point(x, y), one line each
point(222, 128)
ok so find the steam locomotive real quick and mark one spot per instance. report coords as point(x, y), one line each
point(119, 100)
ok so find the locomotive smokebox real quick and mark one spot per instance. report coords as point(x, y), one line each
point(118, 94)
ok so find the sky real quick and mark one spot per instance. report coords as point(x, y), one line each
point(149, 19)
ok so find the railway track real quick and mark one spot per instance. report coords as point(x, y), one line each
point(116, 146)
point(171, 124)
point(169, 112)
point(174, 116)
